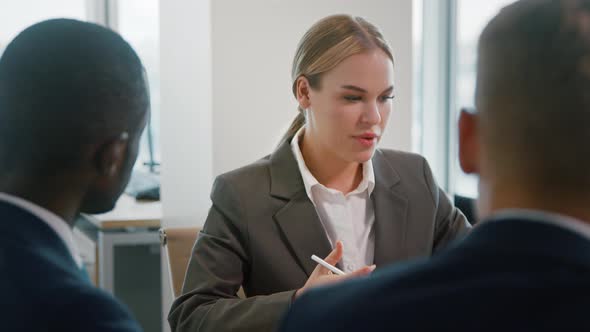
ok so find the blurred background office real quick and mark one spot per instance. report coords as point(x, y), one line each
point(219, 74)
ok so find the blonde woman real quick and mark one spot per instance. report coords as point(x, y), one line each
point(327, 191)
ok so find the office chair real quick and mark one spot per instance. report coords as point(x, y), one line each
point(178, 245)
point(467, 206)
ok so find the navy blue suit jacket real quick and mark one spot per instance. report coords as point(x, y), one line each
point(41, 286)
point(507, 275)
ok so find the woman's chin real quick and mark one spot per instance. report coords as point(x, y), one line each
point(364, 156)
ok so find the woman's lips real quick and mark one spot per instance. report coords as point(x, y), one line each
point(367, 140)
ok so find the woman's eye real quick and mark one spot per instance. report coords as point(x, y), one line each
point(352, 98)
point(386, 98)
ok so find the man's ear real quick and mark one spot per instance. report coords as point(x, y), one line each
point(302, 90)
point(468, 142)
point(110, 157)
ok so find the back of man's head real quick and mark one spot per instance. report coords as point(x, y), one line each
point(533, 96)
point(68, 91)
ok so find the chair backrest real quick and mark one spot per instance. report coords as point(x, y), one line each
point(467, 206)
point(178, 244)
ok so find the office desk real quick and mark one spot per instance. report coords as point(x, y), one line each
point(131, 213)
point(128, 256)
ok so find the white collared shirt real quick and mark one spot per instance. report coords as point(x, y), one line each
point(348, 218)
point(575, 225)
point(56, 223)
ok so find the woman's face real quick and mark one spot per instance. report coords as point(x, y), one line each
point(348, 112)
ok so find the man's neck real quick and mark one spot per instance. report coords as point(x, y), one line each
point(571, 205)
point(49, 195)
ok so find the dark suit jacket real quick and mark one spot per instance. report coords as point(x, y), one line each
point(262, 230)
point(42, 288)
point(507, 275)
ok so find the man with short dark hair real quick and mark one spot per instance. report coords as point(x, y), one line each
point(73, 105)
point(526, 267)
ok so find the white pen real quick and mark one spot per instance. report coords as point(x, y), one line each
point(327, 266)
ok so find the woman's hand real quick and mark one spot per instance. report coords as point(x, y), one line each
point(323, 276)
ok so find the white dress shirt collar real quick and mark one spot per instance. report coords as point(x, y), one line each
point(56, 223)
point(309, 181)
point(345, 217)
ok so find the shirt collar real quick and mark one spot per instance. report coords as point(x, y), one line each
point(560, 220)
point(309, 181)
point(56, 223)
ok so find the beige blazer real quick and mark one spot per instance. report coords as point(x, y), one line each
point(262, 230)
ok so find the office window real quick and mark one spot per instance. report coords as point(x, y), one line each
point(445, 54)
point(138, 22)
point(472, 17)
point(417, 72)
point(17, 15)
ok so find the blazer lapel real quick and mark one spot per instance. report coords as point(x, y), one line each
point(390, 214)
point(300, 224)
point(297, 219)
point(303, 231)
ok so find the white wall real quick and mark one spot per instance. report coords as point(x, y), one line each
point(253, 46)
point(186, 141)
point(185, 120)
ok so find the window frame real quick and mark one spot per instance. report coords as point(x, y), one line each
point(106, 13)
point(435, 114)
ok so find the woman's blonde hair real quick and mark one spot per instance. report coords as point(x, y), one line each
point(324, 46)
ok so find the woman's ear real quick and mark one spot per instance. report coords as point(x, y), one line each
point(302, 90)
